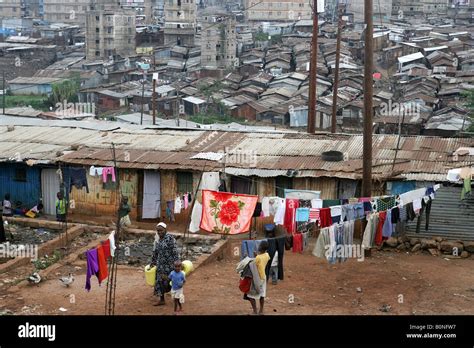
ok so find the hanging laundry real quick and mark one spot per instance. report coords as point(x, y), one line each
point(325, 217)
point(279, 218)
point(466, 187)
point(408, 197)
point(210, 181)
point(347, 212)
point(227, 213)
point(93, 171)
point(276, 246)
point(112, 243)
point(385, 203)
point(365, 199)
point(185, 201)
point(106, 171)
point(305, 240)
point(258, 210)
point(102, 261)
point(305, 203)
point(321, 243)
point(430, 192)
point(195, 217)
point(417, 205)
point(290, 212)
point(178, 204)
point(387, 228)
point(336, 212)
point(316, 203)
point(106, 249)
point(367, 207)
point(353, 200)
point(359, 211)
point(395, 215)
point(314, 214)
point(92, 266)
point(428, 210)
point(270, 205)
point(78, 178)
point(411, 215)
point(331, 252)
point(297, 243)
point(274, 204)
point(378, 233)
point(330, 202)
point(222, 186)
point(302, 214)
point(248, 248)
point(170, 210)
point(370, 231)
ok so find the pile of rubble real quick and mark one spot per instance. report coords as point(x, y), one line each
point(138, 252)
point(436, 246)
point(28, 235)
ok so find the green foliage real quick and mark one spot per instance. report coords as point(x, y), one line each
point(261, 36)
point(469, 103)
point(38, 102)
point(65, 90)
point(47, 261)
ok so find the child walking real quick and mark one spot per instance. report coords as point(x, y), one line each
point(178, 278)
point(261, 261)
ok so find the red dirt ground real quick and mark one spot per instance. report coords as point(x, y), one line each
point(428, 285)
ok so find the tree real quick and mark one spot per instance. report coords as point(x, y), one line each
point(65, 91)
point(469, 103)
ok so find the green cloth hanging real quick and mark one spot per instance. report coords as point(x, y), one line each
point(466, 189)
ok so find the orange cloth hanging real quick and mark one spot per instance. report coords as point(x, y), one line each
point(103, 272)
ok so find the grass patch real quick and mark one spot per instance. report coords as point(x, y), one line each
point(47, 261)
point(38, 102)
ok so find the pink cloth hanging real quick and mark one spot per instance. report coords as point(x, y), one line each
point(106, 171)
point(186, 202)
point(226, 213)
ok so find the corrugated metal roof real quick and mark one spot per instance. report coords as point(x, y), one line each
point(421, 157)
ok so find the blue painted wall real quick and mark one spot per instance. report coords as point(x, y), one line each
point(28, 192)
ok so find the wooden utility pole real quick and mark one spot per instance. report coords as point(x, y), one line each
point(368, 102)
point(154, 101)
point(336, 74)
point(313, 72)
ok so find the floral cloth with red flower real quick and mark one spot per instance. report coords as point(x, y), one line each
point(227, 213)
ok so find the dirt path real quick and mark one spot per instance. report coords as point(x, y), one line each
point(409, 283)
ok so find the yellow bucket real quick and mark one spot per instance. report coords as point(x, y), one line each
point(187, 267)
point(150, 275)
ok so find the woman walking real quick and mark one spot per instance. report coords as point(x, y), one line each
point(165, 254)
